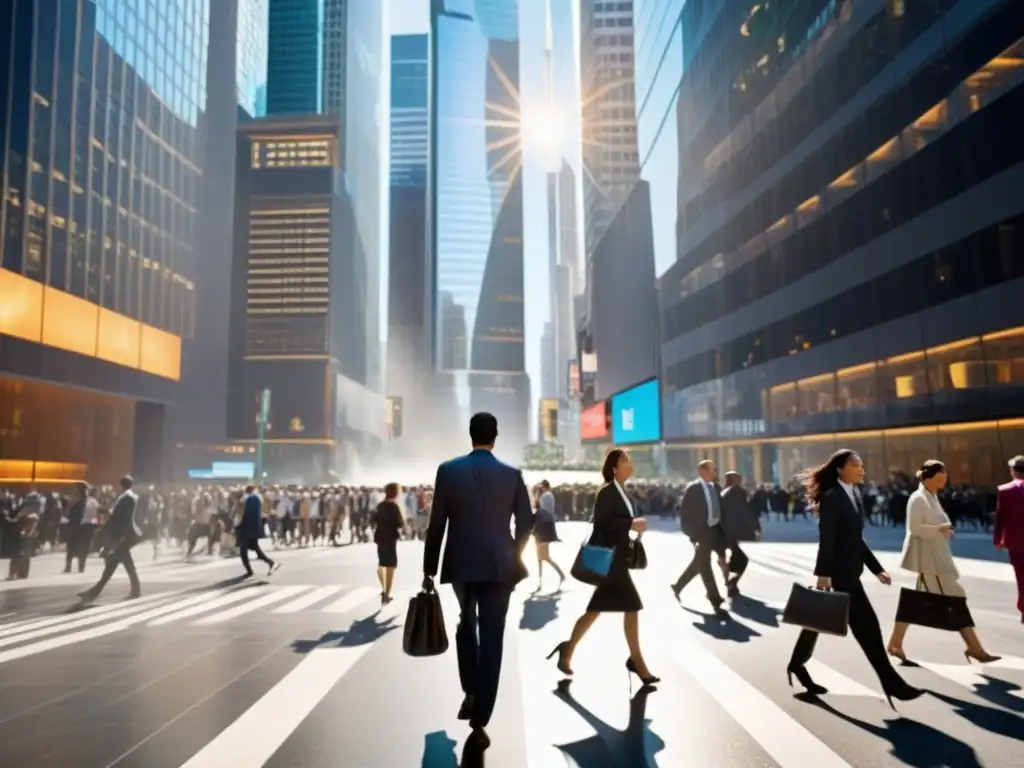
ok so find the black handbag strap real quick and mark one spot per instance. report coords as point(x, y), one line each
point(924, 582)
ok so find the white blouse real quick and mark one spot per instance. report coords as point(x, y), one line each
point(625, 497)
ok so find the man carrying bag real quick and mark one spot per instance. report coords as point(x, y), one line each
point(475, 498)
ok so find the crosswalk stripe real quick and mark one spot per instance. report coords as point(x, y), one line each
point(84, 619)
point(837, 683)
point(194, 610)
point(100, 630)
point(87, 615)
point(257, 734)
point(314, 597)
point(973, 676)
point(352, 600)
point(275, 596)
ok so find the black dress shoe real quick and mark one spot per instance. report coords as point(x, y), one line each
point(466, 710)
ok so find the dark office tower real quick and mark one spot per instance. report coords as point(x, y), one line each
point(851, 237)
point(236, 85)
point(101, 162)
point(610, 159)
point(476, 219)
point(295, 74)
point(296, 299)
point(408, 350)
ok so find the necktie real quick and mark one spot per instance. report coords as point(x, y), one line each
point(716, 509)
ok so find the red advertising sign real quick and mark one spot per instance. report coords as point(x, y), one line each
point(594, 422)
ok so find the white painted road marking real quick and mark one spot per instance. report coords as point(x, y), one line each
point(314, 597)
point(275, 596)
point(195, 609)
point(255, 736)
point(351, 601)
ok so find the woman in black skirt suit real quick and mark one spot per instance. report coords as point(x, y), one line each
point(388, 525)
point(613, 520)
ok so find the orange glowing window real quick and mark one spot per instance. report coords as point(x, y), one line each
point(21, 306)
point(69, 322)
point(160, 353)
point(119, 339)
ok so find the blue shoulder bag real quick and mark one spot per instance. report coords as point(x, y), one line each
point(592, 564)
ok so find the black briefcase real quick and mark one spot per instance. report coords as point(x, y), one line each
point(425, 633)
point(819, 610)
point(933, 609)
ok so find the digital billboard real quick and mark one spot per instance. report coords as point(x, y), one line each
point(636, 415)
point(594, 422)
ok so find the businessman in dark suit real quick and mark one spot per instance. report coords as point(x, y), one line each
point(739, 523)
point(249, 531)
point(475, 497)
point(121, 533)
point(701, 519)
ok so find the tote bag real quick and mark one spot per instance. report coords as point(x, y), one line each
point(936, 610)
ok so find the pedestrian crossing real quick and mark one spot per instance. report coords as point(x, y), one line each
point(717, 706)
point(723, 701)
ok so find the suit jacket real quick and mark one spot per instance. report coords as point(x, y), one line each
point(842, 551)
point(251, 525)
point(925, 549)
point(612, 523)
point(122, 528)
point(1009, 527)
point(476, 497)
point(694, 512)
point(739, 520)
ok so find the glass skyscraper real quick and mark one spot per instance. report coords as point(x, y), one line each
point(251, 56)
point(477, 219)
point(408, 325)
point(101, 162)
point(295, 78)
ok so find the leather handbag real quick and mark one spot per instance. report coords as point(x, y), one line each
point(818, 610)
point(636, 556)
point(592, 564)
point(936, 610)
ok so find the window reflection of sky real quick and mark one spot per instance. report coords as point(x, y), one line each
point(659, 69)
point(465, 215)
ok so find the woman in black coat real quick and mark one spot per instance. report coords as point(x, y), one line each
point(613, 521)
point(833, 492)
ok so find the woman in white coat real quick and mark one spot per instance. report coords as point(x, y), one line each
point(926, 552)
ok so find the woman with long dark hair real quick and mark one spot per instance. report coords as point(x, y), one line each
point(613, 520)
point(842, 554)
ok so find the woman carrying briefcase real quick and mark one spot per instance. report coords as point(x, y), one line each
point(842, 556)
point(938, 601)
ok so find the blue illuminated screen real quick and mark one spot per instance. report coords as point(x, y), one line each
point(636, 415)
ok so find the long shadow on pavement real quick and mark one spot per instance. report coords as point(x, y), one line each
point(636, 746)
point(913, 743)
point(362, 632)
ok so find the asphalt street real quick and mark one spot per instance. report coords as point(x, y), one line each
point(305, 670)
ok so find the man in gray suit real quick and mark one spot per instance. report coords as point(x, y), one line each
point(476, 497)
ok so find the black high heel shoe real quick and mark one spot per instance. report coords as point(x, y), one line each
point(645, 681)
point(560, 649)
point(804, 677)
point(903, 692)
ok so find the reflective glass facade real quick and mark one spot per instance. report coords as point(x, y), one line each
point(409, 92)
point(476, 191)
point(251, 53)
point(100, 163)
point(608, 94)
point(295, 74)
point(847, 239)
